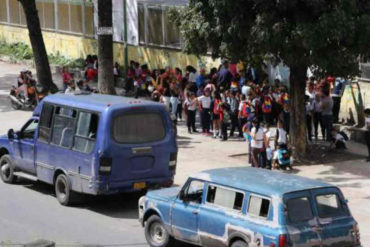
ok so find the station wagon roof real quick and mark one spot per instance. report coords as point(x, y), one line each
point(94, 102)
point(260, 181)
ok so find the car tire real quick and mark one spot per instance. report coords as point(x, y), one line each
point(239, 243)
point(7, 170)
point(156, 234)
point(63, 190)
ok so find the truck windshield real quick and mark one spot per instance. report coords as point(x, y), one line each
point(135, 128)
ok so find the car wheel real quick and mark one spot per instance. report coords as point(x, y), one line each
point(239, 243)
point(7, 170)
point(156, 234)
point(62, 190)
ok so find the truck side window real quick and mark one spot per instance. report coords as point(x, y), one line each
point(227, 198)
point(194, 191)
point(87, 128)
point(258, 206)
point(46, 120)
point(63, 128)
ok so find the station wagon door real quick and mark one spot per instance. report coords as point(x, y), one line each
point(335, 221)
point(302, 225)
point(185, 213)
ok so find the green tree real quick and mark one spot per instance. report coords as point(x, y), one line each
point(38, 46)
point(326, 35)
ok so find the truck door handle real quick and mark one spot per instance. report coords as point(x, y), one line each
point(317, 229)
point(195, 212)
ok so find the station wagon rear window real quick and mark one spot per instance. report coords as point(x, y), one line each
point(329, 205)
point(133, 128)
point(299, 210)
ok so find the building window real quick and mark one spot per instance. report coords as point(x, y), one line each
point(63, 15)
point(14, 9)
point(76, 17)
point(49, 15)
point(156, 28)
point(3, 11)
point(141, 13)
point(89, 18)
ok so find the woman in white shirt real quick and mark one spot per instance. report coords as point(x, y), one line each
point(258, 138)
point(367, 133)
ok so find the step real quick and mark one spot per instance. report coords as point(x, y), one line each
point(26, 176)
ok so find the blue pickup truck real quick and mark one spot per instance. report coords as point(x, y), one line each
point(240, 207)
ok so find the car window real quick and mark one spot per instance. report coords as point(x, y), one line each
point(194, 191)
point(28, 131)
point(258, 206)
point(329, 205)
point(299, 209)
point(46, 120)
point(227, 198)
point(86, 131)
point(138, 128)
point(63, 127)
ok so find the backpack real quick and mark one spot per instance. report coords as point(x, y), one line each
point(285, 99)
point(267, 105)
point(345, 136)
point(246, 109)
point(283, 157)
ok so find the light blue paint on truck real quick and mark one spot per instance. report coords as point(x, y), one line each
point(241, 207)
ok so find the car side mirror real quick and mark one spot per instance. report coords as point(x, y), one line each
point(11, 134)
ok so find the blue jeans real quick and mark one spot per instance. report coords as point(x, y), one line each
point(174, 104)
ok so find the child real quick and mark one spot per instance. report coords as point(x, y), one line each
point(338, 140)
point(282, 158)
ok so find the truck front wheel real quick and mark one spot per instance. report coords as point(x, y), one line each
point(156, 234)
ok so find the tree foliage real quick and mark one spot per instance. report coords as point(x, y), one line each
point(327, 35)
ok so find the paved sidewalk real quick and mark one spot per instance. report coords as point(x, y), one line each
point(198, 153)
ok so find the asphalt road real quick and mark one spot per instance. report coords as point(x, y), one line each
point(29, 211)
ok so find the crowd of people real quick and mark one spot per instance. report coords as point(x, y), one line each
point(232, 102)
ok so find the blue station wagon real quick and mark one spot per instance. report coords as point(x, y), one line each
point(94, 144)
point(240, 207)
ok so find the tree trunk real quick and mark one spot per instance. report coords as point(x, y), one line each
point(38, 47)
point(298, 127)
point(105, 49)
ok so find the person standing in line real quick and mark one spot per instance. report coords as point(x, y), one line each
point(192, 104)
point(326, 113)
point(216, 112)
point(367, 133)
point(234, 106)
point(174, 99)
point(256, 142)
point(317, 121)
point(308, 109)
point(337, 96)
point(224, 76)
point(205, 108)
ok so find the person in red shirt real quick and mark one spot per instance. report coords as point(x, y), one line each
point(66, 77)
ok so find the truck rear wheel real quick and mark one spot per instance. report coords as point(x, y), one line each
point(239, 243)
point(156, 234)
point(7, 170)
point(63, 190)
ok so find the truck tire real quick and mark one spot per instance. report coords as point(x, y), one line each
point(7, 170)
point(63, 190)
point(239, 243)
point(156, 234)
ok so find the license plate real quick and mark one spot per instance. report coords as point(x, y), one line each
point(139, 186)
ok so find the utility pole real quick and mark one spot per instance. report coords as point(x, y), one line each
point(125, 36)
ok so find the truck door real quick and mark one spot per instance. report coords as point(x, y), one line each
point(24, 147)
point(335, 222)
point(302, 225)
point(185, 212)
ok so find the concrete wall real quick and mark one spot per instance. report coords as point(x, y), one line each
point(73, 46)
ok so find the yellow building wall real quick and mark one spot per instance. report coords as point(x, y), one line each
point(73, 46)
